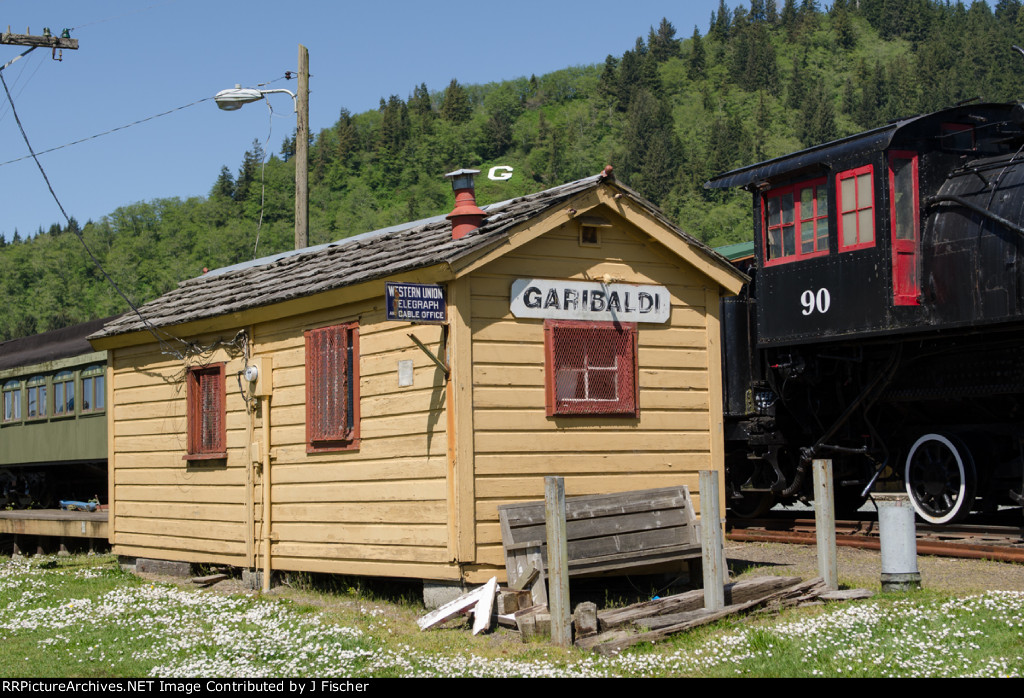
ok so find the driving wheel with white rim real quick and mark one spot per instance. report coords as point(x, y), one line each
point(940, 478)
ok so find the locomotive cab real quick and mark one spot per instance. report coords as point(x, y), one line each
point(888, 305)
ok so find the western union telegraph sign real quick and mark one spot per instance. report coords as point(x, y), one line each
point(589, 300)
point(414, 302)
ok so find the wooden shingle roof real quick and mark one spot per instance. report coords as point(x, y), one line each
point(365, 257)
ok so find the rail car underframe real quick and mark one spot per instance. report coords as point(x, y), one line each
point(941, 416)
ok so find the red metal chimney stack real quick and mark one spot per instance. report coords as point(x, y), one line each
point(467, 216)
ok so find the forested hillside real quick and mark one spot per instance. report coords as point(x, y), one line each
point(762, 79)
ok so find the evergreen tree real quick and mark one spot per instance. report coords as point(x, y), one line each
point(788, 18)
point(846, 37)
point(249, 172)
point(419, 102)
point(456, 107)
point(761, 69)
point(225, 184)
point(607, 84)
point(819, 122)
point(695, 68)
point(663, 43)
point(346, 140)
point(720, 23)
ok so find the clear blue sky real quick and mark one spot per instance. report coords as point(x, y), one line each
point(139, 58)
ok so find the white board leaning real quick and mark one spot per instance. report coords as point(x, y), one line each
point(589, 300)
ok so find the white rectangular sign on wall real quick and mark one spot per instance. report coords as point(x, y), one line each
point(589, 300)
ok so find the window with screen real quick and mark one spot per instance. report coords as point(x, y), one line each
point(591, 368)
point(207, 418)
point(332, 388)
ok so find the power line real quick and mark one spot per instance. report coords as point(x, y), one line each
point(105, 133)
point(121, 128)
point(164, 345)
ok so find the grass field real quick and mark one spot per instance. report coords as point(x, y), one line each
point(85, 617)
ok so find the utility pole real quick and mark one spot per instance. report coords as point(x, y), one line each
point(47, 40)
point(302, 153)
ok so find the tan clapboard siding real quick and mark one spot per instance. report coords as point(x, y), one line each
point(309, 558)
point(597, 441)
point(534, 420)
point(352, 513)
point(347, 553)
point(169, 510)
point(403, 533)
point(394, 490)
point(384, 501)
point(517, 444)
point(365, 470)
point(681, 465)
point(165, 545)
point(183, 493)
point(172, 473)
point(532, 488)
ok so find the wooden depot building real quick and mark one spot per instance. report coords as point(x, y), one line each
point(363, 407)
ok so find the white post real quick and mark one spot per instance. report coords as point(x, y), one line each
point(711, 545)
point(825, 522)
point(558, 561)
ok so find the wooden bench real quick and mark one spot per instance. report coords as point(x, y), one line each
point(606, 532)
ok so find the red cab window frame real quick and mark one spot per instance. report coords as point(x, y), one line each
point(206, 413)
point(906, 234)
point(332, 388)
point(858, 208)
point(591, 368)
point(801, 215)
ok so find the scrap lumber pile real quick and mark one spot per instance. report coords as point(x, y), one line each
point(612, 630)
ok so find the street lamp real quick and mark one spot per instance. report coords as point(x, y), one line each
point(232, 99)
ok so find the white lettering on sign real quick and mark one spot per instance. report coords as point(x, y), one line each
point(589, 300)
point(499, 173)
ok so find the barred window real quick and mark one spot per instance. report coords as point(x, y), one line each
point(591, 368)
point(332, 388)
point(207, 431)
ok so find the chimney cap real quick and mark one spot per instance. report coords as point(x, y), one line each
point(463, 171)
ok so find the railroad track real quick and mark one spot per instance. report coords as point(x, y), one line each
point(988, 541)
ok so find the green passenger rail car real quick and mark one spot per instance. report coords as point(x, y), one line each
point(53, 424)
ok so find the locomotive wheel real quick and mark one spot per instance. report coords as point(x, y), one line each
point(940, 478)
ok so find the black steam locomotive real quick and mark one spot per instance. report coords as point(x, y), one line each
point(883, 326)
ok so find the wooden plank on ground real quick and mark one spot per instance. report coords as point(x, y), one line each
point(606, 644)
point(485, 607)
point(736, 593)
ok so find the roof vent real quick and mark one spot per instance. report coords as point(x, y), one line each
point(467, 216)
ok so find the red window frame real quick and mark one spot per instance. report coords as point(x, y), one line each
point(332, 388)
point(817, 213)
point(206, 413)
point(591, 368)
point(906, 279)
point(857, 209)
